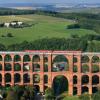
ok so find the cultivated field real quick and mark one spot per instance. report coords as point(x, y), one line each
point(43, 27)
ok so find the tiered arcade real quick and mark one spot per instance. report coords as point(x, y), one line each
point(39, 68)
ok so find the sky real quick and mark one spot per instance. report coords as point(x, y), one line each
point(49, 1)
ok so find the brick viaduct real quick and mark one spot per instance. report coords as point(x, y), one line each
point(27, 68)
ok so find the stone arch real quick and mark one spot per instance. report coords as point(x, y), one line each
point(60, 84)
point(85, 68)
point(17, 58)
point(26, 58)
point(75, 68)
point(7, 85)
point(26, 67)
point(85, 79)
point(36, 78)
point(75, 60)
point(74, 90)
point(0, 78)
point(95, 59)
point(45, 59)
point(45, 67)
point(36, 58)
point(94, 89)
point(17, 78)
point(37, 88)
point(95, 80)
point(7, 77)
point(36, 68)
point(95, 68)
point(0, 57)
point(7, 58)
point(74, 79)
point(45, 79)
point(85, 59)
point(60, 63)
point(0, 67)
point(26, 78)
point(7, 67)
point(85, 89)
point(17, 67)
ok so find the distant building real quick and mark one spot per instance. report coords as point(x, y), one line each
point(19, 23)
point(6, 24)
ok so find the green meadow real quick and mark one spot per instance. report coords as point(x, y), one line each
point(43, 27)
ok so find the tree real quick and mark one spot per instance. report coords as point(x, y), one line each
point(9, 35)
point(85, 97)
point(12, 95)
point(49, 94)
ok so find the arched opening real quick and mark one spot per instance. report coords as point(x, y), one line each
point(95, 59)
point(60, 63)
point(45, 87)
point(7, 85)
point(26, 78)
point(37, 88)
point(95, 80)
point(75, 60)
point(17, 58)
point(36, 68)
point(0, 58)
point(26, 67)
point(45, 79)
point(45, 67)
point(75, 69)
point(95, 68)
point(45, 59)
point(17, 78)
point(17, 67)
point(75, 79)
point(74, 90)
point(94, 89)
point(85, 68)
point(7, 58)
point(85, 79)
point(85, 59)
point(36, 78)
point(0, 79)
point(36, 58)
point(60, 84)
point(0, 67)
point(7, 67)
point(85, 89)
point(7, 78)
point(26, 58)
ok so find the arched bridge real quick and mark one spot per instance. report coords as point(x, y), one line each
point(39, 68)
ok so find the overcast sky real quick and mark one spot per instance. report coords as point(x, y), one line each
point(50, 1)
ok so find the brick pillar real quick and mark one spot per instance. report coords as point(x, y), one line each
point(42, 73)
point(79, 77)
point(21, 73)
point(12, 72)
point(49, 70)
point(90, 75)
point(70, 58)
point(3, 72)
point(31, 71)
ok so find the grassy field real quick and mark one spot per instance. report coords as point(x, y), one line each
point(45, 27)
point(71, 98)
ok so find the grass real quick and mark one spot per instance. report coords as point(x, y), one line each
point(45, 27)
point(71, 98)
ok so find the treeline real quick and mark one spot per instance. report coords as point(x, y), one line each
point(8, 11)
point(84, 20)
point(84, 43)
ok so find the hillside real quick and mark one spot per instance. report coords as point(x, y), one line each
point(43, 27)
